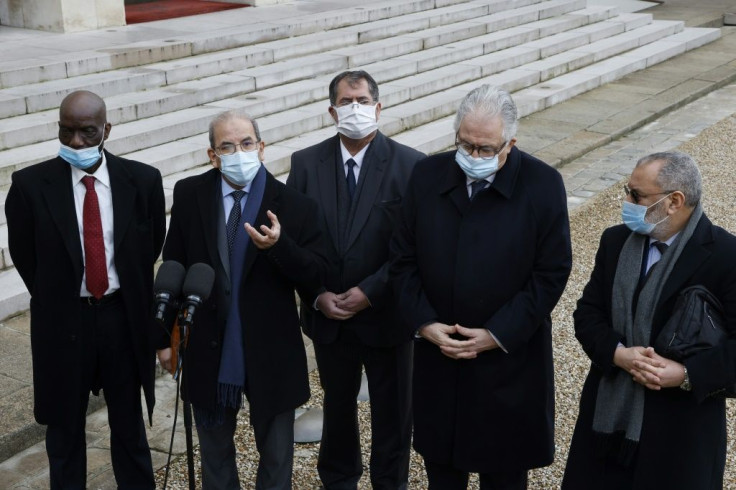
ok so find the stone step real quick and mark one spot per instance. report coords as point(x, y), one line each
point(140, 134)
point(187, 127)
point(45, 95)
point(298, 128)
point(53, 57)
point(211, 84)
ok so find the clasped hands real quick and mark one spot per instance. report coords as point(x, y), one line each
point(648, 368)
point(477, 340)
point(344, 305)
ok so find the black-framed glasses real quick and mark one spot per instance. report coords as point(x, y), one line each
point(636, 195)
point(231, 148)
point(484, 152)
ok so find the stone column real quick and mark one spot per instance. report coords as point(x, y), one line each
point(62, 15)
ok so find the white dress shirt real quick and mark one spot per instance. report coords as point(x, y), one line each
point(357, 158)
point(228, 199)
point(104, 198)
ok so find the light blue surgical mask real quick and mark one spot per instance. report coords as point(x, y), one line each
point(634, 216)
point(83, 158)
point(476, 168)
point(241, 167)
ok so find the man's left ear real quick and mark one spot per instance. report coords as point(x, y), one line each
point(511, 144)
point(677, 201)
point(108, 126)
point(261, 153)
point(378, 110)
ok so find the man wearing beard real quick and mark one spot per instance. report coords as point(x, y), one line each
point(647, 421)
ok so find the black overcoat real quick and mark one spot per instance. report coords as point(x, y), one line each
point(499, 262)
point(43, 236)
point(275, 360)
point(683, 438)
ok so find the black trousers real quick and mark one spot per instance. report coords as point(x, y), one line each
point(108, 363)
point(275, 444)
point(388, 370)
point(445, 477)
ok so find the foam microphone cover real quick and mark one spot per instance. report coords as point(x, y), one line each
point(169, 278)
point(199, 281)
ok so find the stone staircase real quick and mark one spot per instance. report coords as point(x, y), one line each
point(425, 54)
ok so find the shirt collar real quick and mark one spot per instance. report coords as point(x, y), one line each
point(227, 189)
point(101, 174)
point(667, 242)
point(357, 158)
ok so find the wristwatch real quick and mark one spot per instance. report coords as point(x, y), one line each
point(685, 385)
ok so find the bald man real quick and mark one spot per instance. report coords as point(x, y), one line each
point(84, 230)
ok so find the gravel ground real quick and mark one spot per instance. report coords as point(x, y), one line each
point(715, 151)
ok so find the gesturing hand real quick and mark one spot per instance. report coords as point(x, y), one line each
point(270, 235)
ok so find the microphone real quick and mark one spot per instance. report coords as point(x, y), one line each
point(167, 288)
point(197, 288)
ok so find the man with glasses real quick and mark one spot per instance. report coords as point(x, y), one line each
point(480, 259)
point(358, 179)
point(261, 239)
point(647, 421)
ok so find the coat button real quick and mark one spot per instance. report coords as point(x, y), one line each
point(213, 344)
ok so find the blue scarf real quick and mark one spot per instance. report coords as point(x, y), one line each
point(231, 377)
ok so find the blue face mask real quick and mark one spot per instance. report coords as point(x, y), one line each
point(241, 167)
point(83, 158)
point(476, 168)
point(634, 216)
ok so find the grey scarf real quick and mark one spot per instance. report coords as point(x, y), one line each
point(619, 407)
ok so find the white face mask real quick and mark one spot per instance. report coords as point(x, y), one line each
point(241, 167)
point(356, 121)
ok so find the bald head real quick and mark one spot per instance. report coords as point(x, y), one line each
point(83, 120)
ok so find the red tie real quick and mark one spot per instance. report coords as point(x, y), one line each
point(94, 246)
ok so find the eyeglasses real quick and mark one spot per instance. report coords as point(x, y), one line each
point(230, 148)
point(635, 195)
point(484, 152)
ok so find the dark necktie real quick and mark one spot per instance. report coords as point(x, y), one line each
point(351, 178)
point(662, 247)
point(95, 265)
point(476, 187)
point(234, 219)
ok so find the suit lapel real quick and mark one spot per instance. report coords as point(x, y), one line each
point(271, 201)
point(692, 257)
point(208, 199)
point(373, 173)
point(60, 201)
point(454, 186)
point(123, 198)
point(328, 189)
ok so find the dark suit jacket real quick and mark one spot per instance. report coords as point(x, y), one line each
point(275, 361)
point(683, 441)
point(499, 262)
point(47, 252)
point(386, 170)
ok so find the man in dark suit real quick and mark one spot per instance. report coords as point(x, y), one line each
point(480, 259)
point(646, 421)
point(261, 239)
point(84, 231)
point(358, 179)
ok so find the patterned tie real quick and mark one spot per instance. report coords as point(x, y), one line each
point(234, 219)
point(351, 177)
point(476, 187)
point(94, 246)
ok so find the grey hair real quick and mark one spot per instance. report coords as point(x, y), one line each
point(490, 101)
point(678, 173)
point(228, 115)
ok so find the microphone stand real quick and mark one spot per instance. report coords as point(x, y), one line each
point(184, 322)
